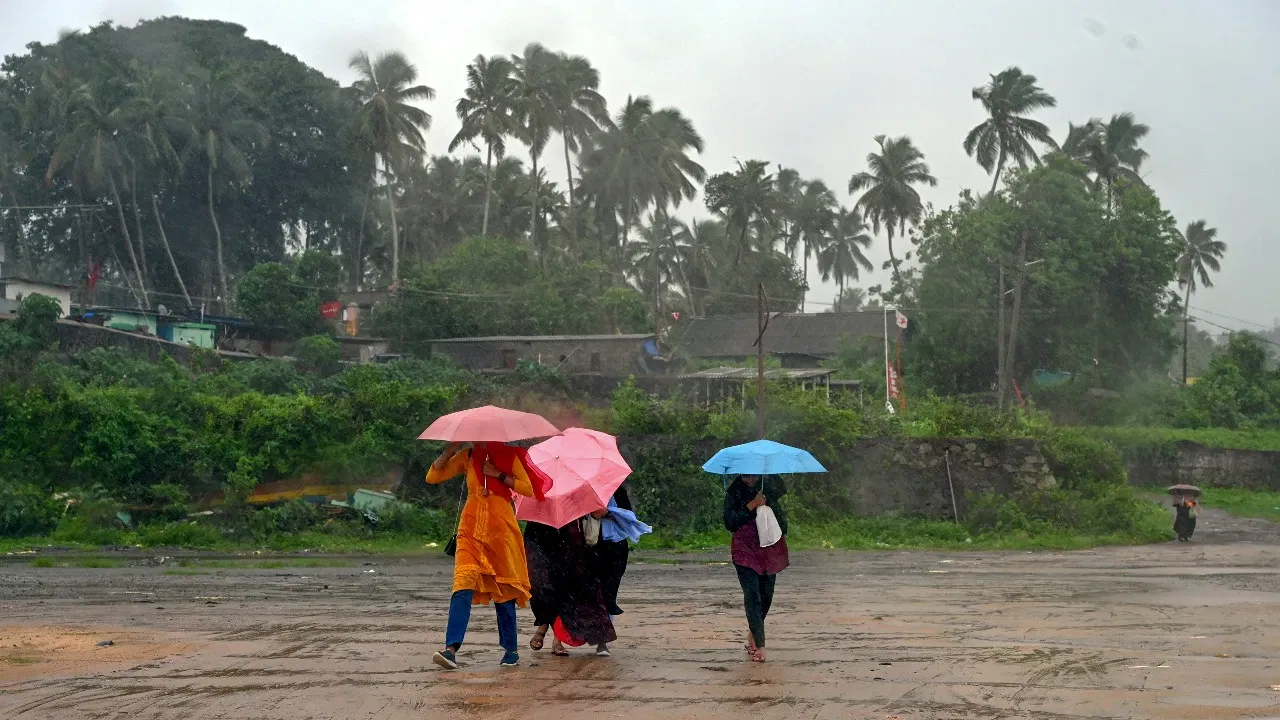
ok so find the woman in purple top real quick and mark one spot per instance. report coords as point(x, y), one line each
point(757, 566)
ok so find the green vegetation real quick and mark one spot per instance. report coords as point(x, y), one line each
point(1245, 503)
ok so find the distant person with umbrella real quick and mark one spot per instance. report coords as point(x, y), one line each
point(489, 559)
point(1184, 508)
point(758, 523)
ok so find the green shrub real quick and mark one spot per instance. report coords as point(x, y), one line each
point(180, 534)
point(318, 354)
point(27, 509)
point(428, 523)
point(291, 517)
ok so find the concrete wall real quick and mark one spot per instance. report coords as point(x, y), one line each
point(1196, 464)
point(616, 357)
point(79, 337)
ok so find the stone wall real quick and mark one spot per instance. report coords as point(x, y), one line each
point(79, 337)
point(878, 476)
point(1195, 464)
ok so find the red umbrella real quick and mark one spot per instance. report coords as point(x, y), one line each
point(489, 424)
point(587, 469)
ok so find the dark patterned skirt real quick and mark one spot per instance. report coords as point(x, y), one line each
point(565, 584)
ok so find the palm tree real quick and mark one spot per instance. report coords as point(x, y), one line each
point(154, 114)
point(221, 134)
point(789, 186)
point(388, 123)
point(536, 114)
point(850, 299)
point(485, 112)
point(842, 258)
point(1109, 150)
point(813, 223)
point(90, 155)
point(1007, 132)
point(660, 252)
point(743, 198)
point(890, 198)
point(1201, 251)
point(581, 108)
point(643, 158)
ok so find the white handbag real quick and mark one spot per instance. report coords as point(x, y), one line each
point(591, 530)
point(767, 526)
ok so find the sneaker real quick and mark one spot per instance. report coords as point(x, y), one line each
point(445, 659)
point(602, 650)
point(510, 658)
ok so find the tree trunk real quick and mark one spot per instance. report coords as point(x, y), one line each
point(568, 174)
point(217, 246)
point(1186, 331)
point(1001, 380)
point(533, 221)
point(137, 222)
point(804, 294)
point(395, 229)
point(357, 270)
point(128, 242)
point(488, 190)
point(999, 166)
point(893, 259)
point(164, 240)
point(24, 244)
point(1018, 282)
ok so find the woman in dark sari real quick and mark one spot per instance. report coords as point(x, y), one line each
point(757, 567)
point(566, 589)
point(611, 559)
point(1184, 522)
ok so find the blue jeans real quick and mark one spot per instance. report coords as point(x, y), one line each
point(460, 615)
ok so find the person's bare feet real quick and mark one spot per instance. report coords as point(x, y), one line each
point(558, 649)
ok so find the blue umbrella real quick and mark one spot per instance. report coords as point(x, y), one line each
point(763, 457)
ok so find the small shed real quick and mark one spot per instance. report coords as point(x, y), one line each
point(16, 288)
point(126, 319)
point(184, 332)
point(724, 382)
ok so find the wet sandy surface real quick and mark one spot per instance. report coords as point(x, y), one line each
point(1170, 631)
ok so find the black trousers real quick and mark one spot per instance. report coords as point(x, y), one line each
point(611, 559)
point(757, 596)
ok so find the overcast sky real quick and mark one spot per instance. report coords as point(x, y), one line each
point(808, 83)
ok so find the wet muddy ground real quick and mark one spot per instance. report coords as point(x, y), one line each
point(1168, 631)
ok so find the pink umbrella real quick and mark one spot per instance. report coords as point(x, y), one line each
point(587, 469)
point(489, 424)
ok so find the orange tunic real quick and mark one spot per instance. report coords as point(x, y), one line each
point(490, 560)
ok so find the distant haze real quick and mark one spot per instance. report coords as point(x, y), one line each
point(807, 84)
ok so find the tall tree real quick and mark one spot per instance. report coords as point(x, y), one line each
point(581, 108)
point(889, 197)
point(536, 115)
point(11, 158)
point(744, 199)
point(1007, 133)
point(1201, 251)
point(1110, 151)
point(486, 114)
point(222, 133)
point(155, 116)
point(842, 258)
point(389, 123)
point(813, 223)
point(89, 153)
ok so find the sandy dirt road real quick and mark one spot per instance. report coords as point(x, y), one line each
point(1169, 631)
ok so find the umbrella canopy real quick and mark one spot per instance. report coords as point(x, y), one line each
point(489, 424)
point(586, 468)
point(1183, 490)
point(762, 457)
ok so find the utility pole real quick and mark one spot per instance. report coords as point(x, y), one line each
point(1000, 377)
point(762, 323)
point(1012, 350)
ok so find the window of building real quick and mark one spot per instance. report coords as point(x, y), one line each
point(509, 359)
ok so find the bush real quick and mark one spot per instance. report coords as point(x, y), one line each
point(292, 517)
point(27, 509)
point(319, 355)
point(428, 523)
point(180, 534)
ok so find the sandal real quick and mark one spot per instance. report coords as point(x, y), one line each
point(539, 637)
point(757, 655)
point(559, 652)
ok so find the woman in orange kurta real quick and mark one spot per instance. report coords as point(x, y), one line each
point(489, 564)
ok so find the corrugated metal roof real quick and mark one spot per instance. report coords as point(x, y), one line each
point(722, 373)
point(544, 338)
